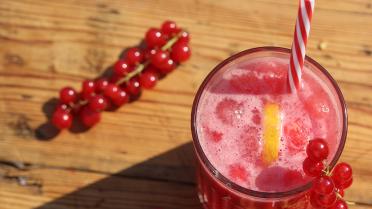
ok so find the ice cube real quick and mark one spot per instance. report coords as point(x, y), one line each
point(229, 111)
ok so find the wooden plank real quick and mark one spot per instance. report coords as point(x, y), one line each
point(62, 189)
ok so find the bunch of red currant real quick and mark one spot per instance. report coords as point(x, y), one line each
point(328, 187)
point(139, 68)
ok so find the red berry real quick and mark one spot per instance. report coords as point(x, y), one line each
point(68, 95)
point(326, 200)
point(314, 200)
point(116, 95)
point(317, 149)
point(339, 204)
point(167, 67)
point(121, 97)
point(343, 184)
point(62, 119)
point(101, 85)
point(134, 56)
point(312, 168)
point(323, 185)
point(169, 28)
point(114, 78)
point(180, 52)
point(111, 91)
point(97, 103)
point(154, 38)
point(347, 184)
point(76, 109)
point(149, 52)
point(148, 79)
point(62, 107)
point(89, 117)
point(152, 69)
point(159, 58)
point(340, 192)
point(342, 172)
point(133, 86)
point(87, 88)
point(121, 68)
point(184, 37)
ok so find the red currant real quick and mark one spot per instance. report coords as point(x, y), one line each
point(68, 95)
point(121, 68)
point(339, 204)
point(111, 91)
point(312, 168)
point(62, 119)
point(314, 200)
point(154, 38)
point(97, 103)
point(180, 52)
point(89, 117)
point(101, 84)
point(342, 172)
point(169, 28)
point(62, 107)
point(149, 52)
point(76, 109)
point(114, 78)
point(184, 37)
point(347, 184)
point(167, 67)
point(343, 184)
point(159, 58)
point(326, 200)
point(148, 79)
point(134, 56)
point(152, 69)
point(323, 185)
point(340, 192)
point(87, 88)
point(317, 149)
point(120, 98)
point(133, 86)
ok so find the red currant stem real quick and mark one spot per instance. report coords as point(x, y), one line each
point(172, 41)
point(141, 67)
point(135, 72)
point(83, 102)
point(71, 105)
point(341, 198)
point(350, 202)
point(327, 170)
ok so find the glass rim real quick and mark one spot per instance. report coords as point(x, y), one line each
point(226, 181)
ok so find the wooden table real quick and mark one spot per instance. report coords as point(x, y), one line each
point(141, 155)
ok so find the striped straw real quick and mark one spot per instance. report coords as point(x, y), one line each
point(298, 51)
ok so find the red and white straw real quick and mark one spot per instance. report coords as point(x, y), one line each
point(305, 13)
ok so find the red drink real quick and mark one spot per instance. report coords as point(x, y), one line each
point(250, 133)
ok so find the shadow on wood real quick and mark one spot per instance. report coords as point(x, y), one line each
point(47, 131)
point(165, 181)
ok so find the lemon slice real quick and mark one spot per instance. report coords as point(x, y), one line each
point(271, 133)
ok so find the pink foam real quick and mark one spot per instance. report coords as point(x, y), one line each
point(231, 114)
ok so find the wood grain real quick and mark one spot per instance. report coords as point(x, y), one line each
point(142, 151)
